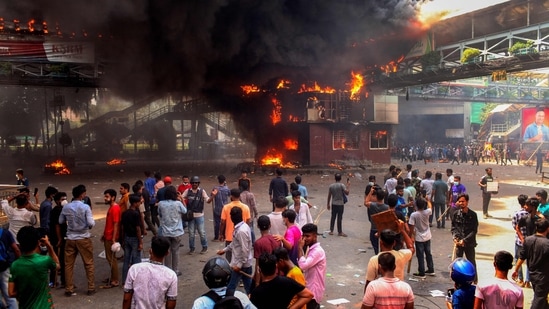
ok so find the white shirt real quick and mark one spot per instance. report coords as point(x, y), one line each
point(152, 284)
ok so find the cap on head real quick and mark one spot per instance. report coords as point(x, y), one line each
point(167, 179)
point(216, 273)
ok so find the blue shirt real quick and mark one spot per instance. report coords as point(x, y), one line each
point(532, 130)
point(464, 297)
point(303, 190)
point(169, 213)
point(79, 220)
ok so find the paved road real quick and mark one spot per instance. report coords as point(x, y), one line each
point(346, 257)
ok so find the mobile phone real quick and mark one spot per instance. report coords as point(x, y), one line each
point(42, 231)
point(35, 191)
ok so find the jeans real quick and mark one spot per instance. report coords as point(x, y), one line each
point(486, 197)
point(10, 302)
point(197, 225)
point(235, 279)
point(217, 225)
point(85, 248)
point(375, 241)
point(337, 211)
point(252, 230)
point(154, 215)
point(423, 251)
point(148, 221)
point(131, 255)
point(111, 259)
point(439, 210)
point(520, 274)
point(172, 260)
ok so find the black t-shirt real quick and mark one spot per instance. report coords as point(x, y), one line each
point(535, 251)
point(54, 220)
point(131, 219)
point(276, 293)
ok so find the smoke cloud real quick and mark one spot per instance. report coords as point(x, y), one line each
point(211, 47)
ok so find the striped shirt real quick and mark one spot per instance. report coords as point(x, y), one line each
point(388, 293)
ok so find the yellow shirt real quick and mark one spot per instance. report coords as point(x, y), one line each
point(296, 274)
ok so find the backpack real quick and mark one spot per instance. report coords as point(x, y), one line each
point(4, 257)
point(229, 301)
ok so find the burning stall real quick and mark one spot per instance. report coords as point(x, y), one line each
point(316, 125)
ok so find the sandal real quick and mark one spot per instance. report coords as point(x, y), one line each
point(331, 233)
point(109, 286)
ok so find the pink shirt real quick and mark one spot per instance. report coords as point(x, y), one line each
point(293, 236)
point(500, 293)
point(388, 293)
point(314, 268)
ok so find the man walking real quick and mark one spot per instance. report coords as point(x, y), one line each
point(419, 223)
point(312, 261)
point(242, 252)
point(336, 195)
point(110, 235)
point(79, 219)
point(486, 195)
point(220, 195)
point(440, 197)
point(227, 226)
point(278, 187)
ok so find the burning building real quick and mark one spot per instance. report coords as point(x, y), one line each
point(314, 125)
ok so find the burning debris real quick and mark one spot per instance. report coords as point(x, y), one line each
point(116, 162)
point(57, 168)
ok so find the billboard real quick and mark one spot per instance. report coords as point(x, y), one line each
point(48, 50)
point(535, 125)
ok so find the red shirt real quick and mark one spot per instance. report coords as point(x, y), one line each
point(182, 187)
point(113, 217)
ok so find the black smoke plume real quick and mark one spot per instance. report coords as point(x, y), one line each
point(211, 47)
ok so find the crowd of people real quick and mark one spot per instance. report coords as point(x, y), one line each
point(285, 256)
point(474, 153)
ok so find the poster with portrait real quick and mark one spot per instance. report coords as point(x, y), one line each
point(534, 132)
point(535, 125)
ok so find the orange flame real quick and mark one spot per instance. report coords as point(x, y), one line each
point(380, 134)
point(283, 84)
point(392, 66)
point(356, 85)
point(316, 88)
point(45, 27)
point(276, 114)
point(31, 25)
point(293, 118)
point(291, 144)
point(275, 158)
point(250, 88)
point(272, 158)
point(116, 162)
point(59, 167)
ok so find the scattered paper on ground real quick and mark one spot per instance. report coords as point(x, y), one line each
point(337, 301)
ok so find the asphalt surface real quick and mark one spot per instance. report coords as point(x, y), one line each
point(346, 257)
